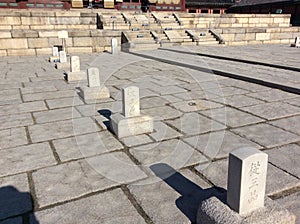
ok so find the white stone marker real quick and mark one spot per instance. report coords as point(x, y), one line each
point(62, 57)
point(114, 46)
point(75, 74)
point(55, 55)
point(247, 173)
point(131, 101)
point(75, 64)
point(93, 90)
point(93, 77)
point(131, 122)
point(55, 52)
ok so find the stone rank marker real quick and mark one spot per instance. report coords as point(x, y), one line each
point(114, 46)
point(75, 74)
point(55, 55)
point(246, 201)
point(247, 174)
point(94, 90)
point(63, 62)
point(131, 122)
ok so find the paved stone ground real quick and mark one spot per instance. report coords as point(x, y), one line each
point(61, 164)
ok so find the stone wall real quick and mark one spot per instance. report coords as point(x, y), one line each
point(234, 20)
point(244, 36)
point(33, 42)
point(46, 20)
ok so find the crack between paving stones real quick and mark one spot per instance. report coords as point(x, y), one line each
point(285, 193)
point(136, 205)
point(32, 190)
point(55, 154)
point(29, 140)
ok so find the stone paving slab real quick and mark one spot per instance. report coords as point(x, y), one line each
point(13, 137)
point(20, 159)
point(86, 145)
point(193, 123)
point(273, 95)
point(62, 129)
point(292, 203)
point(266, 135)
point(217, 145)
point(108, 207)
point(286, 158)
point(232, 117)
point(15, 120)
point(64, 102)
point(56, 115)
point(22, 108)
point(290, 124)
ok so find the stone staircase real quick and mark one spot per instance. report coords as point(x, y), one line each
point(138, 40)
point(202, 37)
point(166, 20)
point(112, 21)
point(141, 21)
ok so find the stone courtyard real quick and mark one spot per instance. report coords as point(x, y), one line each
point(60, 162)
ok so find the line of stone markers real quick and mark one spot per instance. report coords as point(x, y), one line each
point(246, 202)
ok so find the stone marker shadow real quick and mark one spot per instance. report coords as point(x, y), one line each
point(14, 203)
point(107, 114)
point(191, 194)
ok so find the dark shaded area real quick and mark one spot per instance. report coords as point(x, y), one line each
point(191, 194)
point(106, 113)
point(224, 74)
point(14, 203)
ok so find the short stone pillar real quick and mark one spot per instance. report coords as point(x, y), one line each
point(93, 91)
point(246, 185)
point(63, 61)
point(246, 201)
point(114, 46)
point(75, 73)
point(55, 55)
point(131, 122)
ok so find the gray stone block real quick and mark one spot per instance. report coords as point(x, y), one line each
point(124, 127)
point(76, 76)
point(64, 65)
point(213, 211)
point(93, 93)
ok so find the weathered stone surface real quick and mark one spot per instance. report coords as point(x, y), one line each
point(273, 110)
point(86, 145)
point(163, 132)
point(12, 137)
point(162, 113)
point(195, 105)
point(64, 102)
point(56, 115)
point(49, 95)
point(218, 144)
point(15, 195)
point(290, 124)
point(15, 120)
point(22, 108)
point(286, 158)
point(74, 179)
point(231, 117)
point(19, 159)
point(112, 206)
point(212, 211)
point(124, 127)
point(136, 140)
point(175, 153)
point(272, 136)
point(291, 203)
point(13, 43)
point(193, 123)
point(62, 129)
